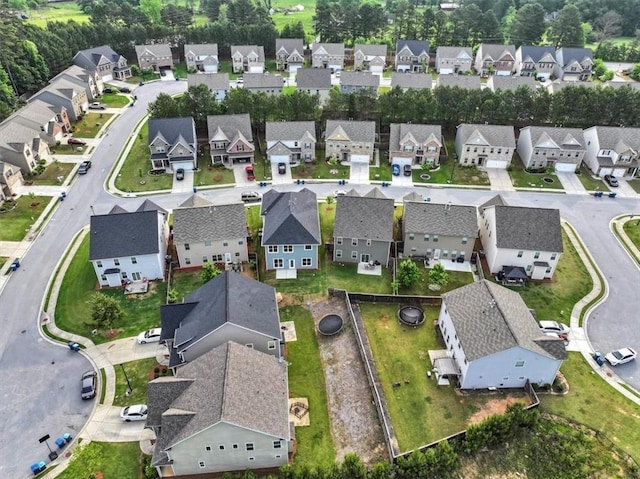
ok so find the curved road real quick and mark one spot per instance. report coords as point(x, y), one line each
point(40, 381)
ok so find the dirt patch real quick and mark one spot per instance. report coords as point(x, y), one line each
point(112, 333)
point(495, 406)
point(355, 426)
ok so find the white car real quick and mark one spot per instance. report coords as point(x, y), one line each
point(134, 413)
point(150, 336)
point(339, 193)
point(620, 356)
point(560, 329)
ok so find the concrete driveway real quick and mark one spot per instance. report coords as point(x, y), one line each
point(240, 175)
point(183, 186)
point(278, 178)
point(168, 76)
point(128, 349)
point(359, 173)
point(500, 179)
point(106, 426)
point(624, 190)
point(571, 183)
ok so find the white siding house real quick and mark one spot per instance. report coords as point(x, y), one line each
point(612, 150)
point(488, 146)
point(545, 147)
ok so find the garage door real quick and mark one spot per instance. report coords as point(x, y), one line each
point(256, 69)
point(376, 69)
point(360, 159)
point(279, 159)
point(107, 78)
point(605, 171)
point(566, 167)
point(446, 71)
point(186, 165)
point(401, 161)
point(496, 164)
point(211, 68)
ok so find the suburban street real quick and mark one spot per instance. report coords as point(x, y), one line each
point(41, 381)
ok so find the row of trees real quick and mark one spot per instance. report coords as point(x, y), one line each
point(571, 106)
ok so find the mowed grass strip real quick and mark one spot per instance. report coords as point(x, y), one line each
point(15, 224)
point(306, 379)
point(113, 459)
point(632, 229)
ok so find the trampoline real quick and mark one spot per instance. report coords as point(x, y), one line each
point(330, 325)
point(411, 315)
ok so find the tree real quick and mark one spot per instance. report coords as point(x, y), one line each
point(152, 8)
point(408, 273)
point(566, 30)
point(209, 271)
point(105, 310)
point(528, 25)
point(438, 275)
point(607, 26)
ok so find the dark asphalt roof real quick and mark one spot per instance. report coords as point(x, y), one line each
point(290, 218)
point(532, 229)
point(124, 234)
point(441, 219)
point(171, 129)
point(209, 223)
point(364, 218)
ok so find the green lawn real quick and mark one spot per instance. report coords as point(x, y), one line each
point(589, 182)
point(380, 173)
point(15, 224)
point(281, 18)
point(456, 280)
point(635, 184)
point(73, 313)
point(58, 12)
point(226, 66)
point(523, 179)
point(114, 459)
point(114, 100)
point(185, 282)
point(320, 169)
point(306, 379)
point(90, 124)
point(451, 172)
point(180, 70)
point(212, 175)
point(51, 174)
point(632, 229)
point(133, 176)
point(3, 260)
point(139, 374)
point(69, 149)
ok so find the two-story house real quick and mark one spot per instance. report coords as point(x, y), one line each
point(87, 79)
point(22, 147)
point(439, 231)
point(372, 58)
point(501, 82)
point(173, 143)
point(535, 61)
point(290, 142)
point(210, 234)
point(550, 147)
point(488, 146)
point(247, 58)
point(315, 81)
point(50, 122)
point(412, 56)
point(411, 81)
point(289, 54)
point(492, 59)
point(350, 140)
point(226, 411)
point(229, 307)
point(291, 231)
point(217, 83)
point(106, 62)
point(522, 237)
point(230, 139)
point(418, 144)
point(573, 64)
point(493, 341)
point(156, 57)
point(67, 94)
point(363, 229)
point(202, 57)
point(127, 246)
point(328, 55)
point(612, 150)
point(352, 82)
point(263, 82)
point(453, 60)
point(468, 82)
point(10, 180)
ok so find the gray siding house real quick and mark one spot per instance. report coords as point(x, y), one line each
point(290, 141)
point(315, 81)
point(66, 94)
point(413, 81)
point(263, 82)
point(173, 143)
point(439, 231)
point(488, 146)
point(106, 62)
point(352, 82)
point(291, 231)
point(372, 58)
point(155, 57)
point(412, 56)
point(230, 307)
point(363, 229)
point(230, 139)
point(494, 341)
point(226, 411)
point(87, 79)
point(217, 83)
point(289, 54)
point(328, 55)
point(419, 144)
point(453, 60)
point(535, 61)
point(202, 57)
point(612, 150)
point(350, 140)
point(247, 58)
point(573, 64)
point(547, 147)
point(210, 234)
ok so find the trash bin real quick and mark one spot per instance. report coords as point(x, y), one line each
point(67, 437)
point(38, 467)
point(60, 442)
point(15, 264)
point(598, 358)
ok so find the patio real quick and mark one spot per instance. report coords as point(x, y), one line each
point(370, 269)
point(451, 265)
point(136, 287)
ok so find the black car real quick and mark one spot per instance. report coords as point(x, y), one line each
point(611, 181)
point(282, 168)
point(89, 384)
point(180, 174)
point(84, 167)
point(125, 89)
point(407, 170)
point(108, 90)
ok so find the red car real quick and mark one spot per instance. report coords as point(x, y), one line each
point(250, 174)
point(75, 141)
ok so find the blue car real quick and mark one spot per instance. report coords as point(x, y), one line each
point(395, 169)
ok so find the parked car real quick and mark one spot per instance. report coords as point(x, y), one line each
point(339, 193)
point(76, 141)
point(395, 169)
point(89, 384)
point(611, 181)
point(108, 90)
point(407, 170)
point(560, 329)
point(84, 167)
point(239, 80)
point(250, 173)
point(125, 89)
point(138, 412)
point(282, 168)
point(620, 356)
point(149, 336)
point(96, 105)
point(180, 174)
point(251, 196)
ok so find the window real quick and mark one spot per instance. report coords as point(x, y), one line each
point(287, 248)
point(205, 259)
point(271, 345)
point(249, 345)
point(225, 243)
point(235, 446)
point(272, 248)
point(278, 263)
point(252, 458)
point(553, 256)
point(207, 243)
point(187, 261)
point(278, 456)
point(103, 277)
point(277, 444)
point(465, 240)
point(548, 270)
point(519, 364)
point(207, 448)
point(99, 264)
point(536, 255)
point(306, 262)
point(308, 247)
point(354, 255)
point(520, 254)
point(187, 247)
point(528, 267)
point(435, 238)
point(124, 275)
point(116, 262)
point(445, 253)
point(411, 236)
point(338, 240)
point(338, 253)
point(368, 242)
point(249, 446)
point(354, 241)
point(221, 446)
point(216, 257)
point(201, 464)
point(426, 237)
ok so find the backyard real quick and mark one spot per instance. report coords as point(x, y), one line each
point(15, 224)
point(73, 312)
point(421, 287)
point(139, 374)
point(54, 174)
point(90, 124)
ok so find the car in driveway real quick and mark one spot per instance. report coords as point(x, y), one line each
point(76, 141)
point(620, 356)
point(251, 196)
point(89, 384)
point(96, 105)
point(84, 167)
point(562, 330)
point(108, 90)
point(407, 170)
point(125, 89)
point(137, 412)
point(339, 193)
point(282, 168)
point(180, 174)
point(149, 336)
point(251, 175)
point(611, 181)
point(395, 169)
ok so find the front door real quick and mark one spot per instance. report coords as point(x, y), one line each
point(364, 258)
point(227, 257)
point(292, 264)
point(436, 254)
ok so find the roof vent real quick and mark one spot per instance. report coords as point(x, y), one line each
point(492, 303)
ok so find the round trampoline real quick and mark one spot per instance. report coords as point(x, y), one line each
point(330, 325)
point(411, 315)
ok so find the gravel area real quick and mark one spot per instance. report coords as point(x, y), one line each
point(355, 426)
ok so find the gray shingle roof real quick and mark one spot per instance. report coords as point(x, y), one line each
point(245, 50)
point(157, 49)
point(290, 218)
point(227, 298)
point(313, 78)
point(231, 383)
point(495, 51)
point(333, 49)
point(93, 55)
point(289, 130)
point(461, 81)
point(495, 135)
point(262, 80)
point(496, 200)
point(356, 130)
point(415, 46)
point(364, 218)
point(371, 50)
point(454, 52)
point(489, 318)
point(148, 205)
point(421, 133)
point(613, 137)
point(214, 81)
point(554, 137)
point(209, 223)
point(200, 49)
point(290, 45)
point(194, 200)
point(172, 129)
point(230, 125)
point(368, 79)
point(531, 229)
point(124, 234)
point(503, 82)
point(565, 56)
point(536, 52)
point(411, 80)
point(445, 220)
